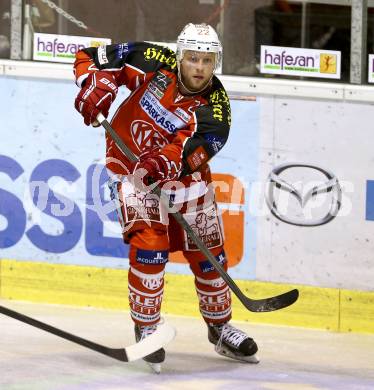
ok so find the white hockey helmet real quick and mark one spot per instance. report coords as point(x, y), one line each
point(199, 37)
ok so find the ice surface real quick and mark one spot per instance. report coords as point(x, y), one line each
point(291, 358)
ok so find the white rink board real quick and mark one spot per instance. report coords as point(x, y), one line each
point(337, 136)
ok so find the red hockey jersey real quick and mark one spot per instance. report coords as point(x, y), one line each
point(188, 130)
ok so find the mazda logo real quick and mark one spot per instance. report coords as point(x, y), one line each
point(276, 184)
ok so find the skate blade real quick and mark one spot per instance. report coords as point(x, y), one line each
point(156, 367)
point(253, 359)
point(250, 359)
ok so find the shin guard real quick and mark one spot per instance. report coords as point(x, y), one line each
point(212, 291)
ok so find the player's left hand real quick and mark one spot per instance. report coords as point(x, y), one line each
point(154, 167)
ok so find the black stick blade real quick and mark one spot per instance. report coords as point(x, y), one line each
point(119, 354)
point(273, 303)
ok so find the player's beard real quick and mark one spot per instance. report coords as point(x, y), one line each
point(188, 88)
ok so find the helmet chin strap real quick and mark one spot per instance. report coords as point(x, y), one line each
point(189, 92)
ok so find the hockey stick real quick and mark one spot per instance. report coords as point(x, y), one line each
point(254, 305)
point(162, 336)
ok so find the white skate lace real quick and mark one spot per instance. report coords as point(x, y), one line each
point(147, 330)
point(230, 335)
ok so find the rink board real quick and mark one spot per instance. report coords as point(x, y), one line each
point(47, 142)
point(323, 308)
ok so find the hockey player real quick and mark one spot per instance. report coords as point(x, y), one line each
point(175, 120)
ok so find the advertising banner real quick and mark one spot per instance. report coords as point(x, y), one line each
point(292, 61)
point(62, 48)
point(371, 68)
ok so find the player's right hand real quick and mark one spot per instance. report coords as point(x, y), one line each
point(96, 96)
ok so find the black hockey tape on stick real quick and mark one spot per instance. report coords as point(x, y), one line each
point(254, 305)
point(162, 336)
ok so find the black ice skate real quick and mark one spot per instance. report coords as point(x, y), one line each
point(154, 359)
point(233, 343)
